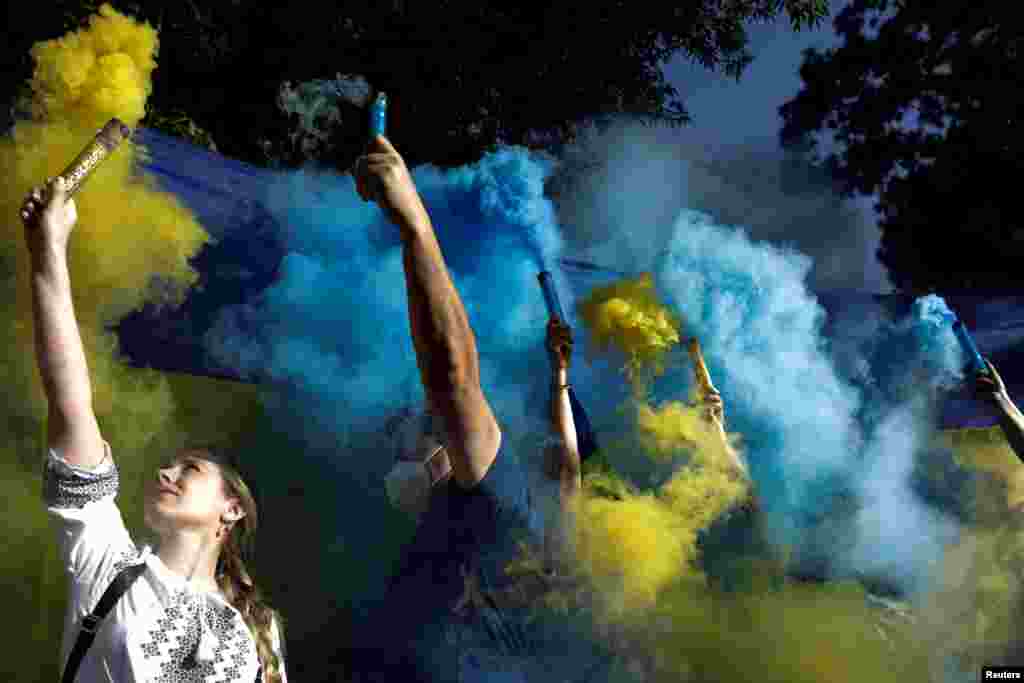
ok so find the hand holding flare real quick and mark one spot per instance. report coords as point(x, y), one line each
point(713, 401)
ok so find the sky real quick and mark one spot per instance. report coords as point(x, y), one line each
point(735, 130)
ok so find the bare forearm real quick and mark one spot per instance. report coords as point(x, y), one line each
point(444, 342)
point(565, 429)
point(1012, 423)
point(735, 459)
point(71, 424)
point(59, 350)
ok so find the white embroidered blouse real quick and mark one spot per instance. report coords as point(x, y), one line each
point(162, 630)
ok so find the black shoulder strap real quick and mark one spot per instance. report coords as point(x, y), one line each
point(91, 623)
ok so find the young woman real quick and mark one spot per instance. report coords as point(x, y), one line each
point(193, 614)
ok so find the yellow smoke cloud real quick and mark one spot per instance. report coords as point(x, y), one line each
point(628, 316)
point(637, 550)
point(797, 633)
point(801, 634)
point(631, 547)
point(101, 71)
point(634, 544)
point(128, 232)
point(677, 426)
point(974, 611)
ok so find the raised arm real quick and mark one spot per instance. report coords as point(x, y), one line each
point(49, 217)
point(714, 409)
point(563, 462)
point(445, 345)
point(1011, 420)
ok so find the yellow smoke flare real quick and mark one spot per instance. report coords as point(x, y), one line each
point(128, 233)
point(628, 316)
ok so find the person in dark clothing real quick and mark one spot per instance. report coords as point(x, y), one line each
point(437, 622)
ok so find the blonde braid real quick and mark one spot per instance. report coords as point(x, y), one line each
point(233, 578)
point(243, 595)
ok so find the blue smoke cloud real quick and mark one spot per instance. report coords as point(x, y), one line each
point(912, 361)
point(331, 336)
point(822, 419)
point(762, 331)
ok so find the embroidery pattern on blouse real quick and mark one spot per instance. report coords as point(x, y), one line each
point(174, 639)
point(65, 488)
point(128, 558)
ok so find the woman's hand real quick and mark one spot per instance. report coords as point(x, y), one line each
point(49, 217)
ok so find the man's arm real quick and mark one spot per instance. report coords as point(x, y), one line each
point(566, 466)
point(72, 428)
point(562, 460)
point(445, 345)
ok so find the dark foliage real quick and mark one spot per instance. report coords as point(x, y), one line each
point(924, 102)
point(463, 76)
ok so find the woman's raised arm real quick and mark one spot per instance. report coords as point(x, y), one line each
point(49, 217)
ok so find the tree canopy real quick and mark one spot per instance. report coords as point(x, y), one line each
point(462, 76)
point(924, 102)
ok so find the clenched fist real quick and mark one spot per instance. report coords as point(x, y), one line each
point(49, 216)
point(381, 176)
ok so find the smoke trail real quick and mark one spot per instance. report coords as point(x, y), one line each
point(810, 435)
point(628, 315)
point(320, 110)
point(777, 196)
point(913, 361)
point(762, 333)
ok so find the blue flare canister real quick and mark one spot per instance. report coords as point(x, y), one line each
point(379, 116)
point(547, 285)
point(974, 359)
point(586, 439)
